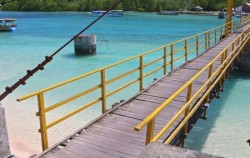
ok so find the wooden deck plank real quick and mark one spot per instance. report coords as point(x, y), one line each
point(118, 136)
point(86, 149)
point(76, 152)
point(120, 145)
point(104, 147)
point(123, 129)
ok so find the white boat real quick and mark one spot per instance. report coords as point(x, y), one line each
point(112, 13)
point(239, 15)
point(7, 24)
point(169, 13)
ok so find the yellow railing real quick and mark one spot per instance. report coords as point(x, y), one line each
point(171, 55)
point(244, 19)
point(226, 56)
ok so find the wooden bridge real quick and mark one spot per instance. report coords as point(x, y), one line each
point(169, 107)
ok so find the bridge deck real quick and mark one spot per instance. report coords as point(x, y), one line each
point(113, 135)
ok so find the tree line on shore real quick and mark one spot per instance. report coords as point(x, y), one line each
point(126, 5)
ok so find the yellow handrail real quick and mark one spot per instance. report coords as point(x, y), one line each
point(151, 117)
point(170, 54)
point(244, 19)
point(191, 113)
point(112, 65)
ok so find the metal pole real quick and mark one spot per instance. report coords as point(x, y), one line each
point(103, 89)
point(229, 17)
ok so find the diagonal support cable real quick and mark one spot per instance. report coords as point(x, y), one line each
point(41, 66)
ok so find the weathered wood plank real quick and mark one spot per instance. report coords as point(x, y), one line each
point(105, 147)
point(86, 149)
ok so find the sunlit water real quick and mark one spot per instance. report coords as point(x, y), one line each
point(227, 129)
point(40, 34)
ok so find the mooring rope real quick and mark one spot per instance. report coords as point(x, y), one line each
point(40, 66)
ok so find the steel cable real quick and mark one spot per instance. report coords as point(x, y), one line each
point(40, 66)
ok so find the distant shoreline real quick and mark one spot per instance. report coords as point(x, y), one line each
point(209, 13)
point(204, 13)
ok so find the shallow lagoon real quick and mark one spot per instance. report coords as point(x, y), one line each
point(39, 34)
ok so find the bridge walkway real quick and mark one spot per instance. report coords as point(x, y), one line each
point(113, 134)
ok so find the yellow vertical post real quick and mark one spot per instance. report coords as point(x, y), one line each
point(222, 63)
point(189, 94)
point(165, 61)
point(229, 17)
point(235, 25)
point(103, 89)
point(221, 32)
point(150, 131)
point(186, 50)
point(141, 73)
point(42, 119)
point(222, 60)
point(197, 45)
point(241, 41)
point(226, 53)
point(233, 46)
point(206, 40)
point(215, 36)
point(172, 56)
point(209, 84)
point(209, 38)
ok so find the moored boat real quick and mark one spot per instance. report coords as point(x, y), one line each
point(7, 24)
point(112, 13)
point(169, 13)
point(239, 15)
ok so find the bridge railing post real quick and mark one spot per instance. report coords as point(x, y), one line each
point(221, 70)
point(103, 90)
point(209, 38)
point(226, 53)
point(215, 36)
point(150, 131)
point(210, 71)
point(233, 46)
point(185, 128)
point(141, 73)
point(206, 40)
point(186, 49)
point(165, 60)
point(42, 119)
point(197, 45)
point(235, 25)
point(221, 32)
point(172, 56)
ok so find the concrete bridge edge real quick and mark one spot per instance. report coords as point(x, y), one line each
point(160, 150)
point(4, 141)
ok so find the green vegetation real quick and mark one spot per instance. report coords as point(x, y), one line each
point(131, 5)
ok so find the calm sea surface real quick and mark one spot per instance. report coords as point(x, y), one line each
point(40, 34)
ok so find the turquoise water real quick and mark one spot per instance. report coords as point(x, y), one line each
point(39, 34)
point(227, 129)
